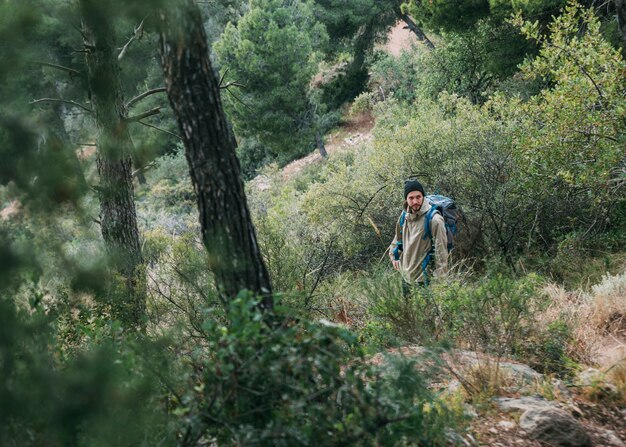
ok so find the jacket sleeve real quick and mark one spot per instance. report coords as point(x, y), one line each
point(395, 249)
point(441, 246)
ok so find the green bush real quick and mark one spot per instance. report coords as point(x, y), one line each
point(545, 350)
point(170, 201)
point(253, 156)
point(105, 393)
point(294, 383)
point(493, 314)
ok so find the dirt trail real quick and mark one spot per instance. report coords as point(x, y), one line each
point(355, 131)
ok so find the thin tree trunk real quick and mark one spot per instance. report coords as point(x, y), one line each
point(194, 95)
point(118, 218)
point(412, 26)
point(320, 145)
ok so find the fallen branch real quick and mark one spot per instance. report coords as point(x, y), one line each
point(412, 26)
point(231, 84)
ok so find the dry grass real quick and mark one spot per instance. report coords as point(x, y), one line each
point(598, 322)
point(597, 318)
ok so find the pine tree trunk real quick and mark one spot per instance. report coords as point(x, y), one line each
point(194, 95)
point(320, 145)
point(412, 26)
point(118, 218)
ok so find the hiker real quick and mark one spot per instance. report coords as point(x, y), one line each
point(420, 236)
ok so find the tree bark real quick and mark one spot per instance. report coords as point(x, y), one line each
point(118, 218)
point(193, 91)
point(412, 26)
point(319, 140)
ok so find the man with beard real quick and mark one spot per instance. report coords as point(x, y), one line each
point(419, 249)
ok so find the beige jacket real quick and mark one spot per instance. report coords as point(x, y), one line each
point(415, 247)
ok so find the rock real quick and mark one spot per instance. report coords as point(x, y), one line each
point(523, 403)
point(469, 411)
point(589, 377)
point(522, 372)
point(596, 380)
point(612, 439)
point(554, 427)
point(561, 389)
point(523, 375)
point(507, 425)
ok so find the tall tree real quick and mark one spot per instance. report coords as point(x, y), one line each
point(118, 217)
point(194, 94)
point(274, 53)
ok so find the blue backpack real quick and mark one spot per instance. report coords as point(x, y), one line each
point(447, 208)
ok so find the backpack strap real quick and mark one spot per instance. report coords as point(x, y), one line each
point(398, 248)
point(428, 233)
point(429, 256)
point(428, 220)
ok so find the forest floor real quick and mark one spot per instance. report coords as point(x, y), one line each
point(599, 412)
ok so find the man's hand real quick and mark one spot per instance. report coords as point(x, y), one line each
point(396, 264)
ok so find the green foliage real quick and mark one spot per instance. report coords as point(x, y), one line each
point(473, 63)
point(273, 52)
point(95, 397)
point(411, 318)
point(572, 138)
point(170, 189)
point(181, 287)
point(494, 314)
point(343, 19)
point(298, 256)
point(354, 26)
point(253, 156)
point(545, 350)
point(294, 384)
point(398, 76)
point(446, 15)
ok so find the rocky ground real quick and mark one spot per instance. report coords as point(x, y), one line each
point(510, 404)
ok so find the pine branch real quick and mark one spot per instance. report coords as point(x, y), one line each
point(160, 129)
point(138, 98)
point(143, 115)
point(73, 103)
point(150, 165)
point(138, 34)
point(71, 71)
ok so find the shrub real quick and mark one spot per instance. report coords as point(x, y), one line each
point(105, 393)
point(494, 314)
point(295, 384)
